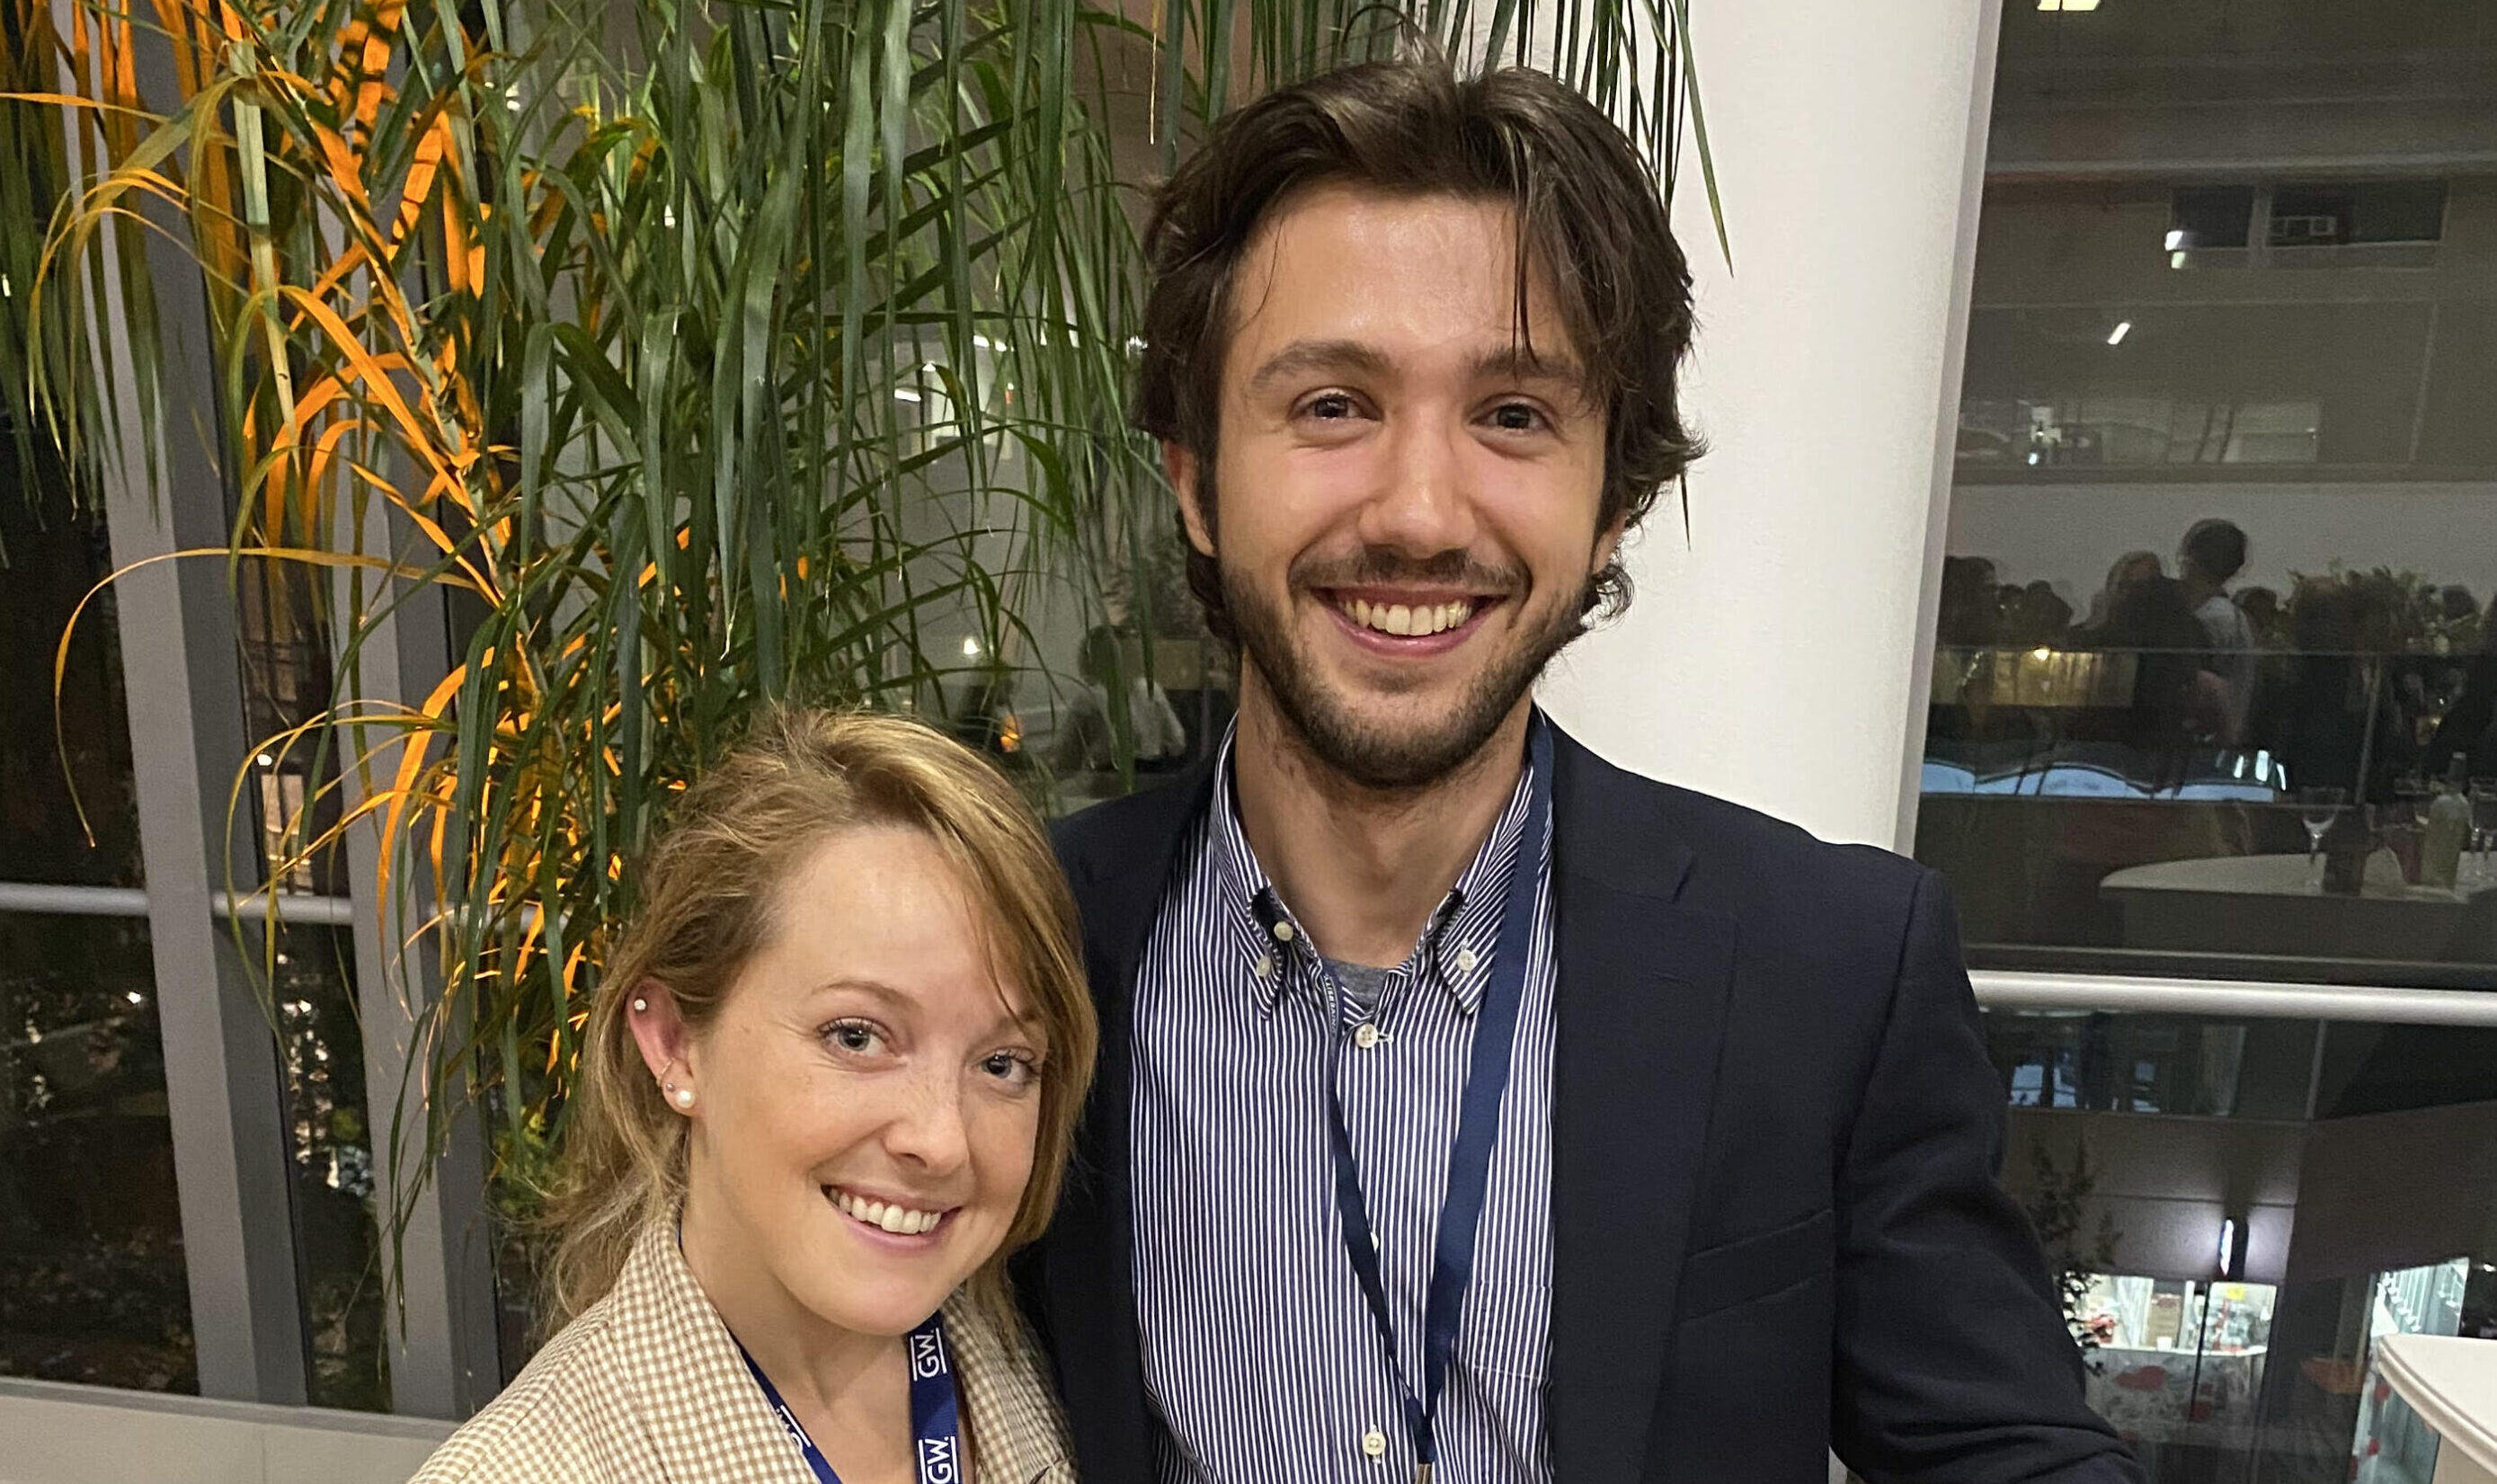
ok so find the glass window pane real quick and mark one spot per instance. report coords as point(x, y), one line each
point(2216, 688)
point(53, 555)
point(2237, 1210)
point(92, 1286)
point(322, 1055)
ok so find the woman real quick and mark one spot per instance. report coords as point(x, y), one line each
point(827, 1085)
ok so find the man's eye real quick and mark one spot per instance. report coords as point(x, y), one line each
point(1516, 417)
point(1333, 406)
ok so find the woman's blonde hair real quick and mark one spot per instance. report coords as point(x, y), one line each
point(711, 890)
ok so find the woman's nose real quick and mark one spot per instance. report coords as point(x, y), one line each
point(929, 1129)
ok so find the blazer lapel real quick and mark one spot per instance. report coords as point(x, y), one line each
point(696, 1405)
point(1641, 1007)
point(1117, 858)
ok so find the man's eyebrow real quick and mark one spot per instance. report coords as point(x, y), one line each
point(1301, 357)
point(1508, 362)
point(1515, 362)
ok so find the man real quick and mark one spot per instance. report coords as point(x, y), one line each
point(1470, 1110)
point(2210, 556)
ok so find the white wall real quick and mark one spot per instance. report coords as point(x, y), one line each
point(1772, 658)
point(51, 1433)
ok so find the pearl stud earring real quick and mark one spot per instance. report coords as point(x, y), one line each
point(684, 1096)
point(640, 1004)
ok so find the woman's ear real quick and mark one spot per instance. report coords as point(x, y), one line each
point(667, 1047)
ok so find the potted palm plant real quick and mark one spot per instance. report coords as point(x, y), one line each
point(687, 356)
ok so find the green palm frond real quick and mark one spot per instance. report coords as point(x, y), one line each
point(709, 352)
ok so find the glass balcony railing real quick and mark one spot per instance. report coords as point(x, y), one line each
point(2237, 1210)
point(2325, 814)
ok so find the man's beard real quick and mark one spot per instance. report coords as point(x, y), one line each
point(1365, 750)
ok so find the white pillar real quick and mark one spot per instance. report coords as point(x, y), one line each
point(1776, 656)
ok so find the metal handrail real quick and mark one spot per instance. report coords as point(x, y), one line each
point(30, 897)
point(1996, 989)
point(2007, 989)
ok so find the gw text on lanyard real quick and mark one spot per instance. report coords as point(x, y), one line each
point(935, 1422)
point(1452, 1264)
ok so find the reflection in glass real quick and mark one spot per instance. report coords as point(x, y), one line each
point(2223, 533)
point(321, 1054)
point(2236, 1211)
point(50, 555)
point(93, 1285)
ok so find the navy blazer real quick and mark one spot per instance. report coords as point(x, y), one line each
point(1776, 1224)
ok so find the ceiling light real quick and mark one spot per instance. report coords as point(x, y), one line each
point(970, 649)
point(2116, 336)
point(2067, 5)
point(906, 394)
point(2176, 260)
point(2175, 238)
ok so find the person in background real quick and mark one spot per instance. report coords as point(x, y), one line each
point(827, 1082)
point(1971, 615)
point(2469, 727)
point(2210, 556)
point(2262, 608)
point(2129, 571)
point(1472, 1111)
point(1087, 736)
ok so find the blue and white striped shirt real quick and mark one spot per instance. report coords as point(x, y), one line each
point(1259, 1352)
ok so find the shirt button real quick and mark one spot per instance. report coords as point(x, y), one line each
point(1264, 966)
point(1282, 932)
point(1365, 1035)
point(1373, 1444)
point(1464, 960)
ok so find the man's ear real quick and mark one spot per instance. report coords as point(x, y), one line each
point(667, 1046)
point(1607, 541)
point(1180, 462)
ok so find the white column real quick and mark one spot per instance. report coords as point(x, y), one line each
point(1776, 657)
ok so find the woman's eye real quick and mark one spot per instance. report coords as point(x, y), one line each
point(852, 1036)
point(1010, 1066)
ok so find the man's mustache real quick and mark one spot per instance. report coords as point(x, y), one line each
point(1378, 568)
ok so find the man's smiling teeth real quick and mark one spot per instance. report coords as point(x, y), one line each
point(1407, 621)
point(900, 1220)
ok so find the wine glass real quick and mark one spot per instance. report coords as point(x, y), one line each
point(2316, 805)
point(2484, 822)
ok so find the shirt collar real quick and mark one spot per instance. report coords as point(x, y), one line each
point(1457, 946)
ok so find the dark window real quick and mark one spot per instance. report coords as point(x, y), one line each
point(2387, 211)
point(2211, 216)
point(93, 1285)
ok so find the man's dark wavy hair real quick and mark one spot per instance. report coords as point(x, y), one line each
point(1587, 212)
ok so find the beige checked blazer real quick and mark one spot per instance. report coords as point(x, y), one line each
point(646, 1387)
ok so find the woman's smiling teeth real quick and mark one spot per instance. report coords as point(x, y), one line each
point(900, 1220)
point(1405, 619)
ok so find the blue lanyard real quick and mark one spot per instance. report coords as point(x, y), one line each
point(1452, 1266)
point(934, 1410)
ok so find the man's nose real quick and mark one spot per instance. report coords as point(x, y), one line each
point(1421, 505)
